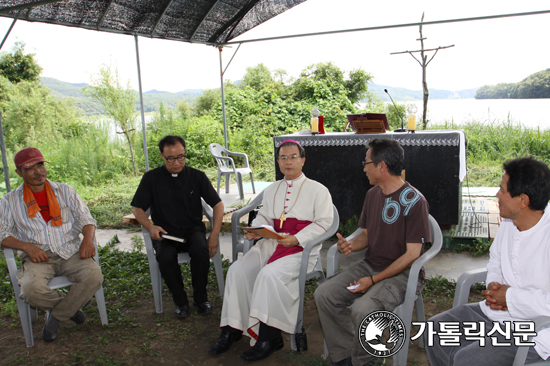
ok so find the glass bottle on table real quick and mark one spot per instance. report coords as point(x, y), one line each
point(315, 120)
point(411, 121)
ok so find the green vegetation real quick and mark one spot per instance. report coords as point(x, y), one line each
point(118, 102)
point(477, 248)
point(348, 227)
point(17, 66)
point(87, 154)
point(536, 85)
point(488, 145)
point(93, 159)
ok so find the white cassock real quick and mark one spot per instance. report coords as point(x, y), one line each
point(259, 292)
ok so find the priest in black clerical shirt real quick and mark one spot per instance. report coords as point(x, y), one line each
point(173, 192)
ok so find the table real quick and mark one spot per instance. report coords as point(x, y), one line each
point(435, 163)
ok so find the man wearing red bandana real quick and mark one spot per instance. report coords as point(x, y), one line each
point(261, 292)
point(43, 220)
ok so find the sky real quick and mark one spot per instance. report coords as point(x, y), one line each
point(485, 52)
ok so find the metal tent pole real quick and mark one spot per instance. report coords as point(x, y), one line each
point(2, 142)
point(143, 130)
point(223, 100)
point(222, 72)
point(4, 158)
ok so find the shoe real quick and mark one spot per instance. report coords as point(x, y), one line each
point(182, 311)
point(49, 332)
point(79, 317)
point(263, 350)
point(224, 342)
point(204, 307)
point(344, 362)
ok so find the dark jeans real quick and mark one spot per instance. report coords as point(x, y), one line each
point(167, 256)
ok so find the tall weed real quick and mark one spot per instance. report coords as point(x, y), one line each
point(490, 143)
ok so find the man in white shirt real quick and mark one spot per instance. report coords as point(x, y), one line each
point(518, 274)
point(43, 220)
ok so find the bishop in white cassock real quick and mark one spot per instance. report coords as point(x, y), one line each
point(261, 294)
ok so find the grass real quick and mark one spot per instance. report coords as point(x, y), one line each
point(110, 201)
point(127, 285)
point(477, 248)
point(126, 275)
point(441, 286)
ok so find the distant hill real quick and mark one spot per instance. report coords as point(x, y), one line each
point(536, 85)
point(402, 94)
point(153, 98)
point(90, 106)
point(155, 91)
point(192, 91)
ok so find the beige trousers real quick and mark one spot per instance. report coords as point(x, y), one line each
point(33, 278)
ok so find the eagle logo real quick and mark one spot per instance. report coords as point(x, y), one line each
point(382, 334)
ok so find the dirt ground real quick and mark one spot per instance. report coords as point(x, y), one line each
point(137, 335)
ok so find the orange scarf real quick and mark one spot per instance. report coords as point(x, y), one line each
point(33, 208)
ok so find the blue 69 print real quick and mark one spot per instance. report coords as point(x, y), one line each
point(391, 206)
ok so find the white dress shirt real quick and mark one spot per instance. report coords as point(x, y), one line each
point(521, 260)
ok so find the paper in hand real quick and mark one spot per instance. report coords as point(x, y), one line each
point(170, 237)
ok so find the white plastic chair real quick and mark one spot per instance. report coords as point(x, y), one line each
point(405, 310)
point(466, 280)
point(238, 239)
point(28, 314)
point(154, 270)
point(317, 272)
point(241, 244)
point(226, 167)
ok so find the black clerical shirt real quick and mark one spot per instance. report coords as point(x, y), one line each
point(175, 202)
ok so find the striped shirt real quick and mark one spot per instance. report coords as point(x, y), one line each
point(62, 240)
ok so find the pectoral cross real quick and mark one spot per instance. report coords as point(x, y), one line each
point(282, 219)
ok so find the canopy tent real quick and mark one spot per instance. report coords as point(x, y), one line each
point(210, 22)
point(197, 21)
point(206, 22)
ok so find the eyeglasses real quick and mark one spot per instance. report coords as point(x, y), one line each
point(365, 163)
point(291, 157)
point(171, 160)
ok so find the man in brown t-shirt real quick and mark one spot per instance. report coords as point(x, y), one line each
point(395, 226)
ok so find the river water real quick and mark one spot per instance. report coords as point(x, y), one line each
point(529, 112)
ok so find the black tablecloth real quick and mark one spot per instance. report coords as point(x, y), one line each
point(432, 163)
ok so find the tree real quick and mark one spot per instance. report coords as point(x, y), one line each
point(354, 88)
point(281, 76)
point(117, 100)
point(205, 102)
point(257, 77)
point(184, 109)
point(18, 66)
point(30, 112)
point(357, 85)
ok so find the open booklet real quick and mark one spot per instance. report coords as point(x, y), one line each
point(265, 231)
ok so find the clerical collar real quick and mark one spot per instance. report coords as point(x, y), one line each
point(289, 182)
point(172, 174)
